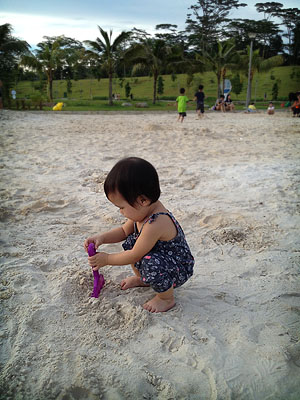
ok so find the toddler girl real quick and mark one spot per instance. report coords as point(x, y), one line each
point(154, 242)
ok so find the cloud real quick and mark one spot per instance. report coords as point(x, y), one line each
point(76, 28)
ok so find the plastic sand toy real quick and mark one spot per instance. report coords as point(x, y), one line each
point(58, 107)
point(98, 278)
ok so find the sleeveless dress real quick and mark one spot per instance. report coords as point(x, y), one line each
point(168, 263)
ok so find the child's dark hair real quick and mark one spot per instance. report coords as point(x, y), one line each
point(182, 90)
point(201, 87)
point(133, 177)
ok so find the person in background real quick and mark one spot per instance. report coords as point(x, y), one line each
point(199, 97)
point(296, 106)
point(271, 109)
point(181, 105)
point(252, 108)
point(220, 104)
point(229, 106)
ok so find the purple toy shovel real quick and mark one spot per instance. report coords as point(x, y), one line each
point(98, 278)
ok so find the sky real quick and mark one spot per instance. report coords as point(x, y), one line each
point(33, 19)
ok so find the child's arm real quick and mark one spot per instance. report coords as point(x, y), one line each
point(115, 235)
point(151, 233)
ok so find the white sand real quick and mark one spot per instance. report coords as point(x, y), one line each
point(231, 180)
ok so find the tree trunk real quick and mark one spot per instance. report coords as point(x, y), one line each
point(110, 89)
point(155, 75)
point(223, 74)
point(219, 82)
point(50, 83)
point(250, 88)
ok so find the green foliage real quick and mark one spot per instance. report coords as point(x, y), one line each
point(160, 85)
point(189, 79)
point(143, 91)
point(121, 82)
point(100, 98)
point(170, 98)
point(36, 98)
point(69, 86)
point(153, 53)
point(275, 90)
point(237, 84)
point(127, 89)
point(107, 53)
point(295, 74)
point(11, 49)
point(39, 85)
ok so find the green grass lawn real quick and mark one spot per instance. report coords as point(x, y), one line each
point(91, 94)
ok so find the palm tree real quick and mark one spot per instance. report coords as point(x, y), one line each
point(258, 64)
point(46, 60)
point(219, 59)
point(154, 54)
point(49, 56)
point(107, 52)
point(11, 49)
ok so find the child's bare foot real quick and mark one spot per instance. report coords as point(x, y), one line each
point(159, 305)
point(131, 282)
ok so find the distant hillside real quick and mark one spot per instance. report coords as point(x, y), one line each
point(287, 78)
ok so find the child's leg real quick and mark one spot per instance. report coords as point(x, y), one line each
point(163, 301)
point(132, 281)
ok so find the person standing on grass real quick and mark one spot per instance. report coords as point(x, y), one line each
point(181, 105)
point(199, 97)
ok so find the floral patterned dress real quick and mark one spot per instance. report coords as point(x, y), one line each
point(169, 263)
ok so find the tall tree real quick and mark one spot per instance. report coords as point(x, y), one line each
point(50, 55)
point(258, 64)
point(290, 18)
point(177, 41)
point(171, 36)
point(206, 22)
point(269, 8)
point(107, 52)
point(11, 49)
point(218, 59)
point(154, 53)
point(267, 38)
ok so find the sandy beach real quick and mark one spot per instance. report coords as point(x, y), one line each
point(231, 180)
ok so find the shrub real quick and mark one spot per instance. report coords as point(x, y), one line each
point(168, 98)
point(100, 98)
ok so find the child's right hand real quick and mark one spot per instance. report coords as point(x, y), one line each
point(93, 239)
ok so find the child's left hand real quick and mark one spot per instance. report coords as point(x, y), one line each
point(98, 260)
